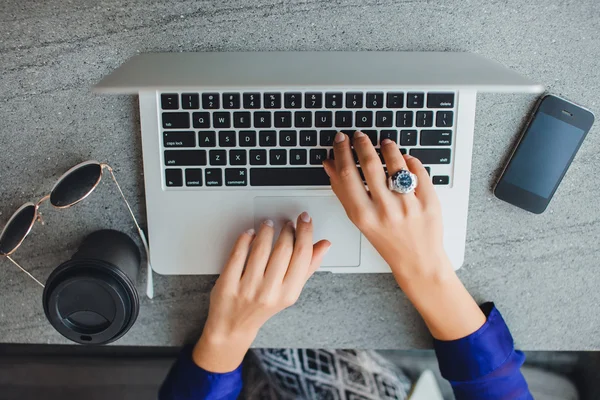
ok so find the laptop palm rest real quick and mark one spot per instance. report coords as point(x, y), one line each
point(329, 221)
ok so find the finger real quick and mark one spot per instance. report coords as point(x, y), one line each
point(345, 179)
point(237, 258)
point(424, 191)
point(392, 156)
point(371, 164)
point(259, 255)
point(300, 262)
point(319, 250)
point(281, 255)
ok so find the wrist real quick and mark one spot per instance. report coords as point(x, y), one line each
point(221, 352)
point(432, 270)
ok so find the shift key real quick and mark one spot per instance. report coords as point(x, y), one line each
point(185, 157)
point(432, 156)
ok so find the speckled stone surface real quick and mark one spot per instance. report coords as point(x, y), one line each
point(542, 271)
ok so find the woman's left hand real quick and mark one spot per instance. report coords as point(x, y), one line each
point(258, 281)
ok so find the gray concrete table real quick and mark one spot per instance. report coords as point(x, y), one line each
point(542, 271)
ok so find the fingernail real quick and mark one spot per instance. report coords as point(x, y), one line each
point(251, 232)
point(268, 222)
point(305, 217)
point(408, 156)
point(291, 224)
point(386, 141)
point(327, 249)
point(339, 137)
point(358, 134)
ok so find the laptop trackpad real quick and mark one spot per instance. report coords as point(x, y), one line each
point(329, 221)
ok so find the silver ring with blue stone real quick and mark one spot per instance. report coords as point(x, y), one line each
point(403, 182)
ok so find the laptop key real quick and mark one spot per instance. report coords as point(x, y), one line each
point(375, 100)
point(432, 156)
point(415, 100)
point(251, 100)
point(409, 137)
point(283, 119)
point(241, 119)
point(221, 120)
point(236, 177)
point(278, 157)
point(201, 120)
point(247, 138)
point(193, 177)
point(179, 139)
point(173, 177)
point(272, 100)
point(436, 137)
point(404, 119)
point(441, 180)
point(190, 101)
point(185, 157)
point(308, 138)
point(292, 100)
point(333, 100)
point(169, 101)
point(326, 137)
point(440, 100)
point(207, 139)
point(444, 119)
point(237, 157)
point(372, 134)
point(313, 100)
point(258, 157)
point(343, 119)
point(307, 176)
point(231, 101)
point(303, 119)
point(175, 120)
point(389, 134)
point(210, 101)
point(317, 156)
point(298, 157)
point(395, 100)
point(323, 119)
point(217, 157)
point(364, 119)
point(384, 119)
point(213, 176)
point(262, 119)
point(424, 118)
point(267, 138)
point(354, 100)
point(227, 139)
point(287, 138)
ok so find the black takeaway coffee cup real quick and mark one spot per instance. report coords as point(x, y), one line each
point(92, 298)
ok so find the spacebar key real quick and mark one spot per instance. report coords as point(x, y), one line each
point(288, 177)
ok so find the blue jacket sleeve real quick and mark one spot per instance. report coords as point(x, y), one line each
point(187, 381)
point(485, 364)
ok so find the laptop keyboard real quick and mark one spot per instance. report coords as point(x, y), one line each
point(280, 138)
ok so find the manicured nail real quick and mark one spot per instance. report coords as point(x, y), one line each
point(305, 217)
point(386, 141)
point(358, 134)
point(339, 137)
point(251, 232)
point(268, 222)
point(327, 249)
point(291, 224)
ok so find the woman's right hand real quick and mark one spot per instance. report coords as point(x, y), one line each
point(406, 229)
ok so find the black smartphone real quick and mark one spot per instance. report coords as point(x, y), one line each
point(541, 159)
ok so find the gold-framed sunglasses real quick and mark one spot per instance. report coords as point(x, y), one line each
point(72, 187)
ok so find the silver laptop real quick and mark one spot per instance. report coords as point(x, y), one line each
point(230, 139)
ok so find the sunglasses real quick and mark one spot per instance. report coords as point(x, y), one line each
point(72, 187)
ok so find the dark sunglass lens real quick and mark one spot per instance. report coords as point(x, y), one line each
point(16, 229)
point(75, 185)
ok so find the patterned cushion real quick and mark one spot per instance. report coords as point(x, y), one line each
point(322, 375)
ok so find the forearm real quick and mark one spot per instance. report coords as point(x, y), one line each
point(446, 306)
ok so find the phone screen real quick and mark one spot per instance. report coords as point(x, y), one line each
point(543, 155)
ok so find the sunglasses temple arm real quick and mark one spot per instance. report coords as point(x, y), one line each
point(23, 269)
point(149, 280)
